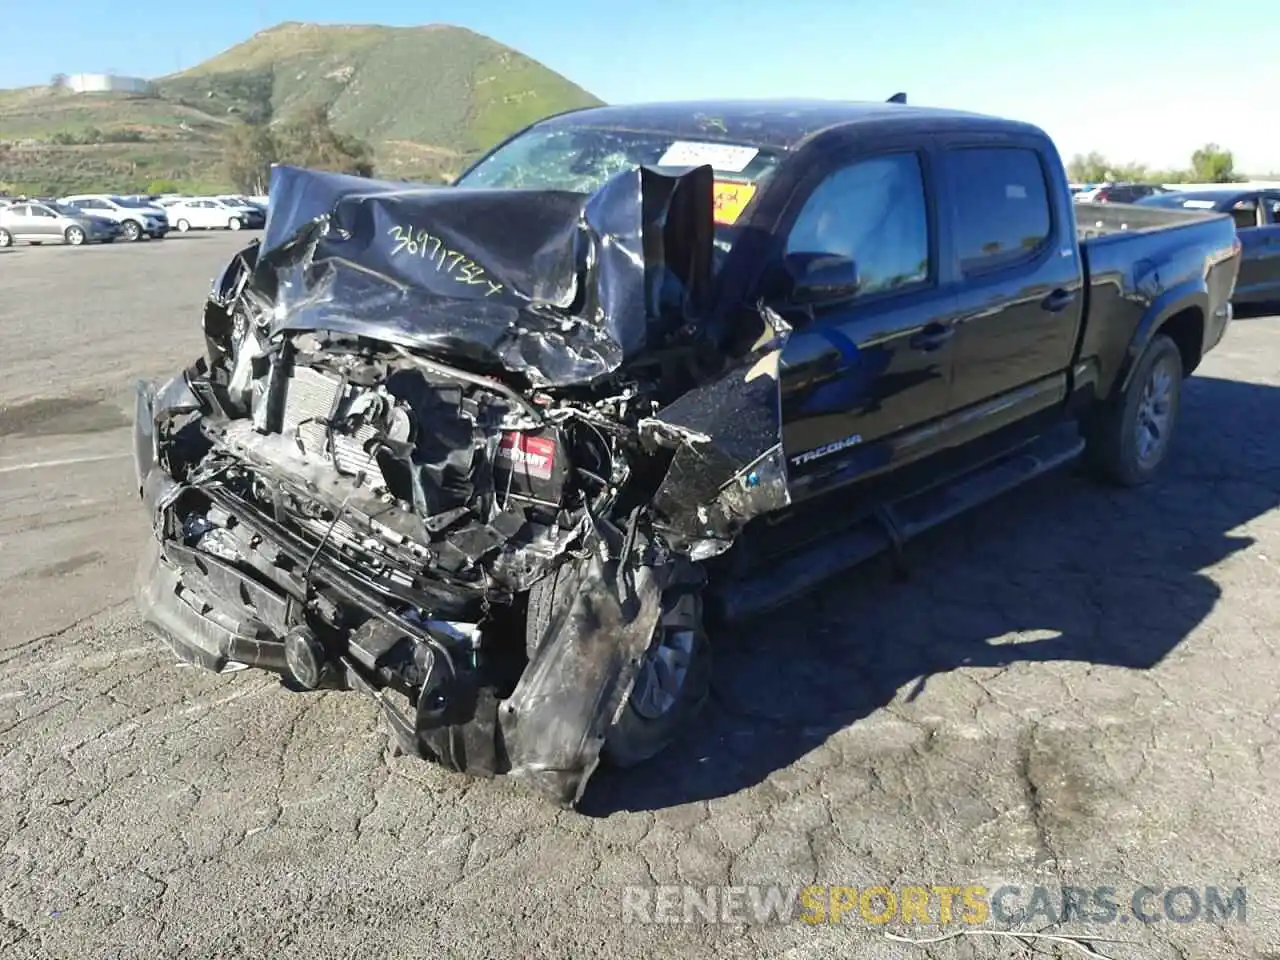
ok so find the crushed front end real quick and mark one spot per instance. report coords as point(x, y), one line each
point(409, 418)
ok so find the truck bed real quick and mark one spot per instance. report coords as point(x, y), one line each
point(1133, 256)
point(1095, 220)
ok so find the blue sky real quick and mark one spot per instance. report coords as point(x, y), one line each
point(1145, 82)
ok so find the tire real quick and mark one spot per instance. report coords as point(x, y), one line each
point(183, 226)
point(234, 223)
point(1129, 437)
point(74, 236)
point(6, 238)
point(647, 724)
point(132, 231)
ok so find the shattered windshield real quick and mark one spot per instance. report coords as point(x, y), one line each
point(583, 159)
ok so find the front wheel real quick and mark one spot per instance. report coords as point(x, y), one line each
point(183, 226)
point(75, 236)
point(1129, 436)
point(671, 687)
point(671, 684)
point(6, 238)
point(132, 231)
point(233, 223)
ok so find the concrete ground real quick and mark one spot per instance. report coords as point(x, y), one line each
point(1077, 687)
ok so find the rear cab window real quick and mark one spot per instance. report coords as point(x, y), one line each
point(1000, 197)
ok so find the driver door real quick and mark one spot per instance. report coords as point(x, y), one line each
point(863, 379)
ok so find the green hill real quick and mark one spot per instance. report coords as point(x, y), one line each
point(428, 99)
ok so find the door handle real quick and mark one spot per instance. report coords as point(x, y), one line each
point(932, 336)
point(1058, 301)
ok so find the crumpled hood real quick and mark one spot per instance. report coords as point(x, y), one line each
point(561, 287)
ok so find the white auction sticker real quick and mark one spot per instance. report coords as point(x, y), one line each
point(720, 156)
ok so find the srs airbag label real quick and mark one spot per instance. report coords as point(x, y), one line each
point(531, 456)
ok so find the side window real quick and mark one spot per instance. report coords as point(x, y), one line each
point(1002, 205)
point(1272, 203)
point(1245, 213)
point(874, 213)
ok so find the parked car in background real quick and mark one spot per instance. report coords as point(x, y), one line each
point(31, 222)
point(1118, 193)
point(1256, 213)
point(137, 219)
point(210, 213)
point(242, 201)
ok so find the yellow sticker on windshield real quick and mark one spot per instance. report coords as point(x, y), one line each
point(731, 199)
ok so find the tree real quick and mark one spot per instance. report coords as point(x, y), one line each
point(1212, 164)
point(1095, 168)
point(1087, 168)
point(248, 152)
point(309, 140)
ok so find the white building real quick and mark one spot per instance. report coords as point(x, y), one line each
point(106, 83)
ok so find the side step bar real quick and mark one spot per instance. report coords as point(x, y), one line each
point(890, 526)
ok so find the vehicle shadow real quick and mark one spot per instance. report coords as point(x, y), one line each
point(1252, 311)
point(1104, 576)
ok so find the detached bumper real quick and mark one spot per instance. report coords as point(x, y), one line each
point(200, 627)
point(179, 602)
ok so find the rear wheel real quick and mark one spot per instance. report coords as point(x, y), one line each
point(6, 238)
point(74, 236)
point(132, 231)
point(1130, 435)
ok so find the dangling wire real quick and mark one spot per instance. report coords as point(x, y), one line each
point(306, 573)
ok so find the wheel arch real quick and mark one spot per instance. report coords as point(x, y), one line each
point(1180, 315)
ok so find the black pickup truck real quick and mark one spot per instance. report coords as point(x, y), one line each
point(496, 454)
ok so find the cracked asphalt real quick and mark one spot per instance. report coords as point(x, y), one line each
point(1074, 687)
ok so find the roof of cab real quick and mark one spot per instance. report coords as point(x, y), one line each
point(783, 124)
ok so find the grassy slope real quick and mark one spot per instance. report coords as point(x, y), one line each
point(427, 98)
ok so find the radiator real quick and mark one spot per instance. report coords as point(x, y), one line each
point(309, 403)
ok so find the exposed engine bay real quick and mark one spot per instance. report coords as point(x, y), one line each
point(461, 450)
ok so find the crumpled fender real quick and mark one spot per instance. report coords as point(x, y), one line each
point(555, 721)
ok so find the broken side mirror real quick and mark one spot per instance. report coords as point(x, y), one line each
point(820, 279)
